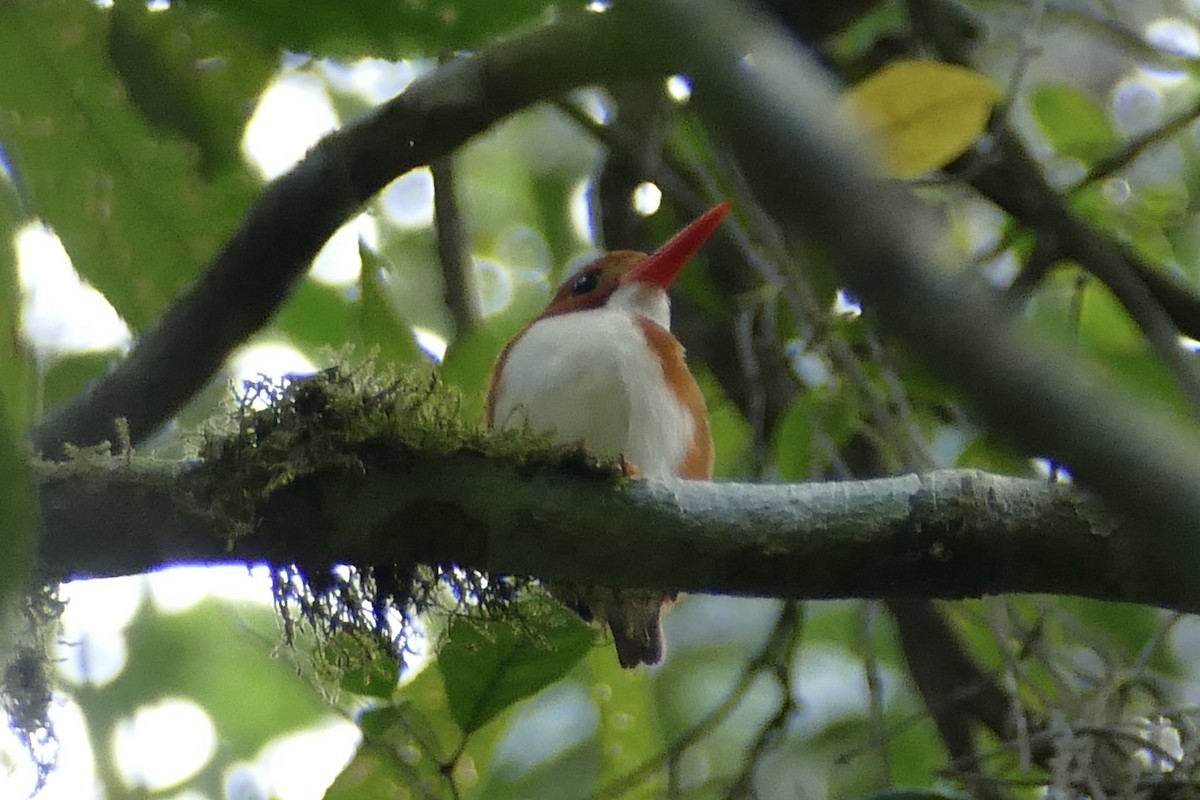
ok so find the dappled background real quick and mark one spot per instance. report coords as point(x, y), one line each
point(134, 138)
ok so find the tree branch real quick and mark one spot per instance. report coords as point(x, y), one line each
point(945, 534)
point(1144, 463)
point(1035, 202)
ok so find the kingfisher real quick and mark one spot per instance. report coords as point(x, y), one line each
point(600, 368)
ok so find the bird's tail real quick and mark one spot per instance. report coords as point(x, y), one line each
point(631, 614)
point(636, 629)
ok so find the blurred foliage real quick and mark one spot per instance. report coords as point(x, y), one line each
point(378, 27)
point(514, 667)
point(18, 506)
point(16, 374)
point(122, 129)
point(1074, 123)
point(379, 327)
point(215, 655)
point(189, 74)
point(87, 158)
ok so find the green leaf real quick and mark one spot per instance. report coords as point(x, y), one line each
point(375, 771)
point(378, 325)
point(365, 667)
point(564, 776)
point(835, 416)
point(16, 374)
point(316, 316)
point(488, 666)
point(469, 358)
point(1073, 122)
point(134, 213)
point(1125, 629)
point(414, 287)
point(379, 27)
point(68, 375)
point(629, 727)
point(189, 75)
point(732, 437)
point(990, 453)
point(379, 770)
point(18, 509)
point(912, 793)
point(881, 21)
point(403, 743)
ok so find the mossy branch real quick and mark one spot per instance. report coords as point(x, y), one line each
point(945, 534)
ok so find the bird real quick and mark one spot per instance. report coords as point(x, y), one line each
point(600, 368)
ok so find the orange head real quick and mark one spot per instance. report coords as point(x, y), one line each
point(592, 286)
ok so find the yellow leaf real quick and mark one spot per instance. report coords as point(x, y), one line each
point(923, 114)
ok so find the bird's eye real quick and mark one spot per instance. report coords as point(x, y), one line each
point(585, 283)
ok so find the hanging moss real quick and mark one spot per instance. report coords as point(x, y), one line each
point(282, 431)
point(25, 683)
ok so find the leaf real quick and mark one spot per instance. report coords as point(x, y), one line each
point(488, 666)
point(1073, 123)
point(566, 775)
point(18, 509)
point(469, 358)
point(135, 215)
point(377, 770)
point(1124, 630)
point(833, 415)
point(403, 743)
point(316, 316)
point(912, 793)
point(732, 436)
point(68, 375)
point(189, 75)
point(989, 452)
point(16, 374)
point(382, 28)
point(629, 725)
point(923, 113)
point(366, 667)
point(883, 21)
point(378, 325)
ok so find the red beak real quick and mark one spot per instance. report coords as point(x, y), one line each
point(661, 268)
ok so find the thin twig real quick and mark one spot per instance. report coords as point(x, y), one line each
point(880, 742)
point(453, 248)
point(1135, 147)
point(783, 668)
point(782, 633)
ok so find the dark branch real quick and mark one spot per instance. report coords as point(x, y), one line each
point(768, 99)
point(1015, 181)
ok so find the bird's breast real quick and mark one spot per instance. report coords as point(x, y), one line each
point(592, 377)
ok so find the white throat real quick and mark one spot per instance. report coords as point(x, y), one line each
point(640, 300)
point(591, 377)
